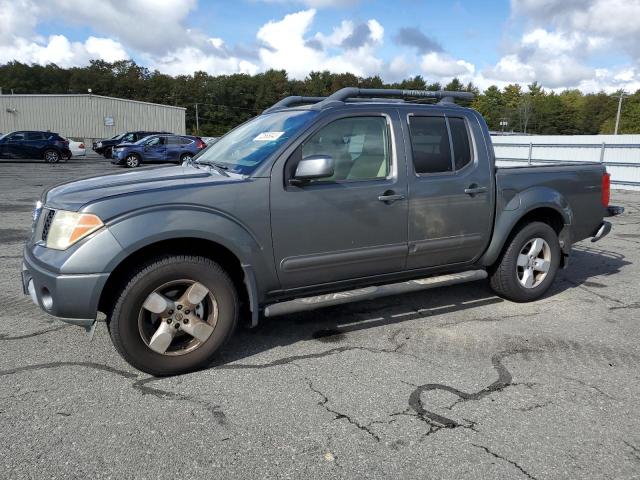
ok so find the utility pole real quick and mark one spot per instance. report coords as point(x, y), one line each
point(618, 115)
point(198, 122)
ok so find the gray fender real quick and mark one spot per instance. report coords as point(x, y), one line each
point(135, 230)
point(517, 207)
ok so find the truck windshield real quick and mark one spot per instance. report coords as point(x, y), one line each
point(243, 149)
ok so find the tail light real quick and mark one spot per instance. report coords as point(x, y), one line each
point(81, 146)
point(606, 189)
point(200, 144)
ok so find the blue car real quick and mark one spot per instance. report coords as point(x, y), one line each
point(48, 146)
point(157, 149)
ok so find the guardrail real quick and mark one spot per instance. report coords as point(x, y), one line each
point(620, 175)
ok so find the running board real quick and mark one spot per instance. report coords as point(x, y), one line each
point(369, 293)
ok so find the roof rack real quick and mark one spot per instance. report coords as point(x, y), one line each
point(443, 95)
point(298, 100)
point(354, 94)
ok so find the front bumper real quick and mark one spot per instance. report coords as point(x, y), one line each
point(117, 158)
point(73, 297)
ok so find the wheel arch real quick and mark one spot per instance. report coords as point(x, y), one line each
point(174, 246)
point(537, 204)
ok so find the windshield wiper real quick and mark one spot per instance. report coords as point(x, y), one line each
point(221, 169)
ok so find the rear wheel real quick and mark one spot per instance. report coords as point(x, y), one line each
point(174, 315)
point(185, 157)
point(528, 265)
point(51, 156)
point(132, 160)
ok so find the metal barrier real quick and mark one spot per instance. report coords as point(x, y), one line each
point(620, 175)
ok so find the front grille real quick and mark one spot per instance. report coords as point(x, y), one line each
point(46, 223)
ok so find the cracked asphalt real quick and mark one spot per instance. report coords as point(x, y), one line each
point(449, 383)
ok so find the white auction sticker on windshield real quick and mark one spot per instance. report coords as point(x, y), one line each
point(268, 136)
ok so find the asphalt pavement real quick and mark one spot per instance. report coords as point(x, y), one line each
point(448, 383)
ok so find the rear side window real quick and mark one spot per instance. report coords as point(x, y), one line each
point(461, 143)
point(185, 141)
point(35, 136)
point(430, 145)
point(174, 140)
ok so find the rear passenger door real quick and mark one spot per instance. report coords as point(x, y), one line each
point(35, 143)
point(175, 147)
point(450, 189)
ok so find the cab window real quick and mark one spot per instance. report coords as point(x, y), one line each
point(359, 147)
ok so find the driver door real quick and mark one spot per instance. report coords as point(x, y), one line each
point(341, 227)
point(155, 150)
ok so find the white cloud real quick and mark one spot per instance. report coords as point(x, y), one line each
point(64, 53)
point(443, 66)
point(286, 47)
point(187, 60)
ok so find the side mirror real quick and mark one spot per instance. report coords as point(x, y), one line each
point(312, 168)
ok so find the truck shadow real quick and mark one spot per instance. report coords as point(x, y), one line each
point(332, 324)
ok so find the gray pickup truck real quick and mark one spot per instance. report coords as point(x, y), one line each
point(318, 201)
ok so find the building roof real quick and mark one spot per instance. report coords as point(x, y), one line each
point(76, 95)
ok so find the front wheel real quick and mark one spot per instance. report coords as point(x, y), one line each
point(132, 161)
point(529, 264)
point(174, 315)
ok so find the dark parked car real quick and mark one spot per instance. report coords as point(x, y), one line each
point(48, 146)
point(105, 147)
point(299, 208)
point(157, 149)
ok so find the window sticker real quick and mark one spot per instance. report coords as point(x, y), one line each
point(268, 136)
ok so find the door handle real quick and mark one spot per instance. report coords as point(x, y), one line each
point(473, 189)
point(389, 197)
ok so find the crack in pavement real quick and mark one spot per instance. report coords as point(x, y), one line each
point(496, 455)
point(139, 385)
point(339, 415)
point(5, 337)
point(634, 450)
point(439, 421)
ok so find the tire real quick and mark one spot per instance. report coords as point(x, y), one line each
point(51, 156)
point(519, 275)
point(132, 161)
point(129, 319)
point(185, 156)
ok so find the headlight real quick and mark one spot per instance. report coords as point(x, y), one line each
point(99, 144)
point(69, 227)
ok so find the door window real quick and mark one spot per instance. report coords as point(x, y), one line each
point(430, 145)
point(359, 147)
point(156, 141)
point(16, 137)
point(174, 140)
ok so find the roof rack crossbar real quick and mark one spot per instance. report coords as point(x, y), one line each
point(298, 100)
point(293, 100)
point(443, 95)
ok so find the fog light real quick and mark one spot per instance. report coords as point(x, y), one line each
point(46, 299)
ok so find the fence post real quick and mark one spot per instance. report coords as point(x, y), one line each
point(602, 153)
point(530, 150)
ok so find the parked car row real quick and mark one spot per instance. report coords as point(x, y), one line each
point(129, 149)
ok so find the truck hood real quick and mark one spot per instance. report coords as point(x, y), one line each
point(74, 195)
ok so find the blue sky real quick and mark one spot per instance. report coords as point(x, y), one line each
point(586, 44)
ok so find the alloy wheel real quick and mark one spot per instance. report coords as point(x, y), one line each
point(178, 317)
point(534, 261)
